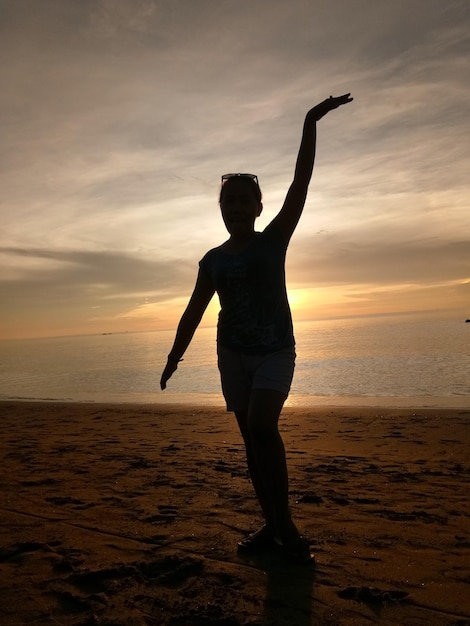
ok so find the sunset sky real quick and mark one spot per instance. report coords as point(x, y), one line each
point(119, 117)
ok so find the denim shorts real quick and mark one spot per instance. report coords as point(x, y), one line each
point(241, 373)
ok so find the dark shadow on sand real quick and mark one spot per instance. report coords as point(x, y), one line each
point(289, 589)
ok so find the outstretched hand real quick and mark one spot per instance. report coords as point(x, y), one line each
point(328, 105)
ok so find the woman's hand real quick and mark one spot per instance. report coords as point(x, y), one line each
point(170, 369)
point(328, 105)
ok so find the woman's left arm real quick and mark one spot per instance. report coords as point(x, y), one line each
point(292, 208)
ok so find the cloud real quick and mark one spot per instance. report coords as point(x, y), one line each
point(55, 292)
point(120, 116)
point(449, 300)
point(331, 260)
point(93, 277)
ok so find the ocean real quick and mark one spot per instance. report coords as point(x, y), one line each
point(369, 362)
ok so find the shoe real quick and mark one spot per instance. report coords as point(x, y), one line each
point(299, 552)
point(260, 540)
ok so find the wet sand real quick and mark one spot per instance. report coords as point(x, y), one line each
point(130, 515)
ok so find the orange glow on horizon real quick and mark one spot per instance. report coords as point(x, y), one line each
point(312, 303)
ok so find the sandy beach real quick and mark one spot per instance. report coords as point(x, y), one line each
point(130, 515)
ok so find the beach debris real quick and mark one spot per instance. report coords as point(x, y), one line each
point(372, 595)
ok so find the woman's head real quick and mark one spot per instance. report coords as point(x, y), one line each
point(240, 203)
point(250, 180)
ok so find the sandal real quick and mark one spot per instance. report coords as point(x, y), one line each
point(259, 540)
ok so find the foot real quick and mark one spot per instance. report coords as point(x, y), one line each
point(260, 540)
point(297, 551)
point(293, 545)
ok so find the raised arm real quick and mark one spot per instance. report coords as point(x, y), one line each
point(202, 294)
point(292, 208)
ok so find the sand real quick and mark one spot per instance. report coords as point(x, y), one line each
point(130, 515)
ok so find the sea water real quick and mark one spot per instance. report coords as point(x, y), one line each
point(339, 362)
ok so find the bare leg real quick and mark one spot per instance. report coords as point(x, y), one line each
point(270, 458)
point(266, 460)
point(258, 486)
point(268, 469)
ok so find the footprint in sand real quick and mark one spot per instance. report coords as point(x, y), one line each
point(16, 551)
point(166, 513)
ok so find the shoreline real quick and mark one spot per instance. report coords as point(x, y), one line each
point(215, 401)
point(130, 514)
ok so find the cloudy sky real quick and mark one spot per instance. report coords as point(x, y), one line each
point(119, 116)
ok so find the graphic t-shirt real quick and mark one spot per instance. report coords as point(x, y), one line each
point(255, 317)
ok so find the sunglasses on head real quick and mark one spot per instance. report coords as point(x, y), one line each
point(226, 177)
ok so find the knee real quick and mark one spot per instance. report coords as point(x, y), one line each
point(262, 433)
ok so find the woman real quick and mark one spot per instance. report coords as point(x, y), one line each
point(255, 339)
